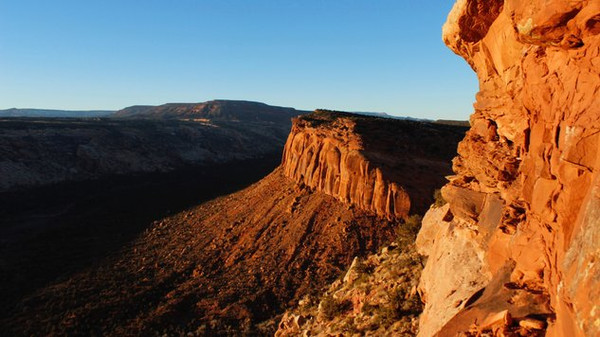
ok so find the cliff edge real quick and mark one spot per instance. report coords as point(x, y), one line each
point(388, 167)
point(516, 249)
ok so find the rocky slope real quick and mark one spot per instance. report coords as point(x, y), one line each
point(50, 233)
point(37, 152)
point(232, 265)
point(516, 249)
point(217, 269)
point(377, 296)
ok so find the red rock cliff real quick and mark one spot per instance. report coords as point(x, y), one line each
point(387, 167)
point(517, 247)
point(330, 161)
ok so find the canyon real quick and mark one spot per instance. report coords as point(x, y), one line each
point(328, 242)
point(515, 250)
point(37, 152)
point(232, 265)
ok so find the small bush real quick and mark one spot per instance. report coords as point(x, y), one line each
point(331, 308)
point(438, 199)
point(413, 223)
point(406, 232)
point(401, 305)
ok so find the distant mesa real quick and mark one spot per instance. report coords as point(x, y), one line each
point(215, 110)
point(385, 115)
point(140, 139)
point(463, 123)
point(230, 110)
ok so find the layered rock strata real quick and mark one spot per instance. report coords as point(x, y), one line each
point(516, 249)
point(38, 152)
point(389, 170)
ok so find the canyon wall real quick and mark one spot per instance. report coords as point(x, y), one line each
point(46, 151)
point(390, 171)
point(516, 248)
point(330, 161)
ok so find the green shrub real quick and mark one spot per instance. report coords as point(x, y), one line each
point(400, 305)
point(406, 233)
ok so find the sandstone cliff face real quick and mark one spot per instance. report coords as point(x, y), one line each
point(517, 247)
point(333, 164)
point(390, 171)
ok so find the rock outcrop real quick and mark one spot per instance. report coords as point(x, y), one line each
point(389, 167)
point(516, 249)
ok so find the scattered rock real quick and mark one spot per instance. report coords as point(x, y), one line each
point(532, 324)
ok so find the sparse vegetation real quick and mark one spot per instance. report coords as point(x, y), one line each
point(413, 223)
point(438, 199)
point(406, 233)
point(376, 296)
point(331, 307)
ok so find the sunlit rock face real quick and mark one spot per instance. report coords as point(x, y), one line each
point(388, 167)
point(517, 248)
point(330, 160)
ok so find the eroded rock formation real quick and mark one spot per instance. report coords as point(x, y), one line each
point(517, 247)
point(335, 166)
point(387, 167)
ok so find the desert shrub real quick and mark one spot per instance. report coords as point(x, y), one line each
point(369, 309)
point(407, 232)
point(438, 199)
point(413, 223)
point(330, 307)
point(401, 305)
point(363, 272)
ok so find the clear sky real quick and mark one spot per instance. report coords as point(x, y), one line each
point(354, 55)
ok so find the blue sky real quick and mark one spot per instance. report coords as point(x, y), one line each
point(355, 55)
